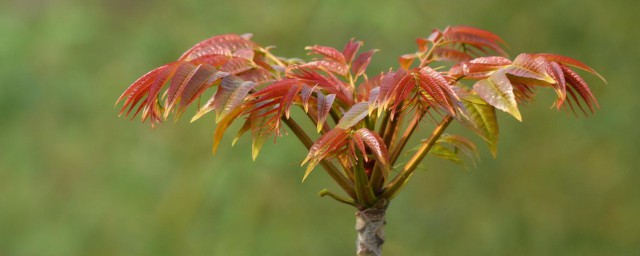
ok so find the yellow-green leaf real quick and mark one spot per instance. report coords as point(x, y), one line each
point(498, 92)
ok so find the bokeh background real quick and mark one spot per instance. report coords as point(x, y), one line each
point(77, 180)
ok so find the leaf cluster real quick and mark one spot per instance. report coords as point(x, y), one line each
point(364, 121)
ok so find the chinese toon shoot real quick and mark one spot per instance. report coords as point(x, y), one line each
point(364, 119)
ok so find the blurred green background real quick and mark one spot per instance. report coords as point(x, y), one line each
point(77, 180)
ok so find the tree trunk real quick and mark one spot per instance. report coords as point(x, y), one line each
point(369, 224)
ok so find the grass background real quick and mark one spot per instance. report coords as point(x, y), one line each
point(77, 180)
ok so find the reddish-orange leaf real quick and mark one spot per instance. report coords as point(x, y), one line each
point(423, 44)
point(478, 38)
point(406, 60)
point(452, 55)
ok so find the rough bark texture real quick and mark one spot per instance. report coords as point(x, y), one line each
point(369, 225)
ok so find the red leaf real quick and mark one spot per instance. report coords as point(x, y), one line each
point(328, 52)
point(452, 55)
point(474, 37)
point(560, 86)
point(578, 84)
point(324, 65)
point(373, 141)
point(532, 68)
point(570, 62)
point(350, 49)
point(237, 65)
point(222, 45)
point(326, 146)
point(478, 68)
point(360, 64)
point(183, 72)
point(438, 88)
point(259, 76)
point(324, 106)
point(194, 90)
point(230, 94)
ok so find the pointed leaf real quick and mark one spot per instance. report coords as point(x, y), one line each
point(452, 55)
point(183, 74)
point(498, 92)
point(201, 80)
point(532, 68)
point(223, 125)
point(221, 44)
point(570, 62)
point(578, 84)
point(478, 68)
point(350, 49)
point(360, 64)
point(373, 141)
point(230, 94)
point(481, 118)
point(324, 147)
point(324, 65)
point(305, 94)
point(461, 143)
point(245, 127)
point(328, 52)
point(406, 60)
point(356, 113)
point(324, 106)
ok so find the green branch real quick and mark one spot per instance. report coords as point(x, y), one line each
point(335, 174)
point(398, 182)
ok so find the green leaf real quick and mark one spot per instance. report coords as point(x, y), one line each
point(260, 128)
point(459, 144)
point(438, 150)
point(481, 118)
point(223, 125)
point(498, 92)
point(356, 113)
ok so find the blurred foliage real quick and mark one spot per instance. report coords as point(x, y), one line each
point(77, 180)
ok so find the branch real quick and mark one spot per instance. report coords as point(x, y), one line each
point(398, 182)
point(342, 181)
point(395, 152)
